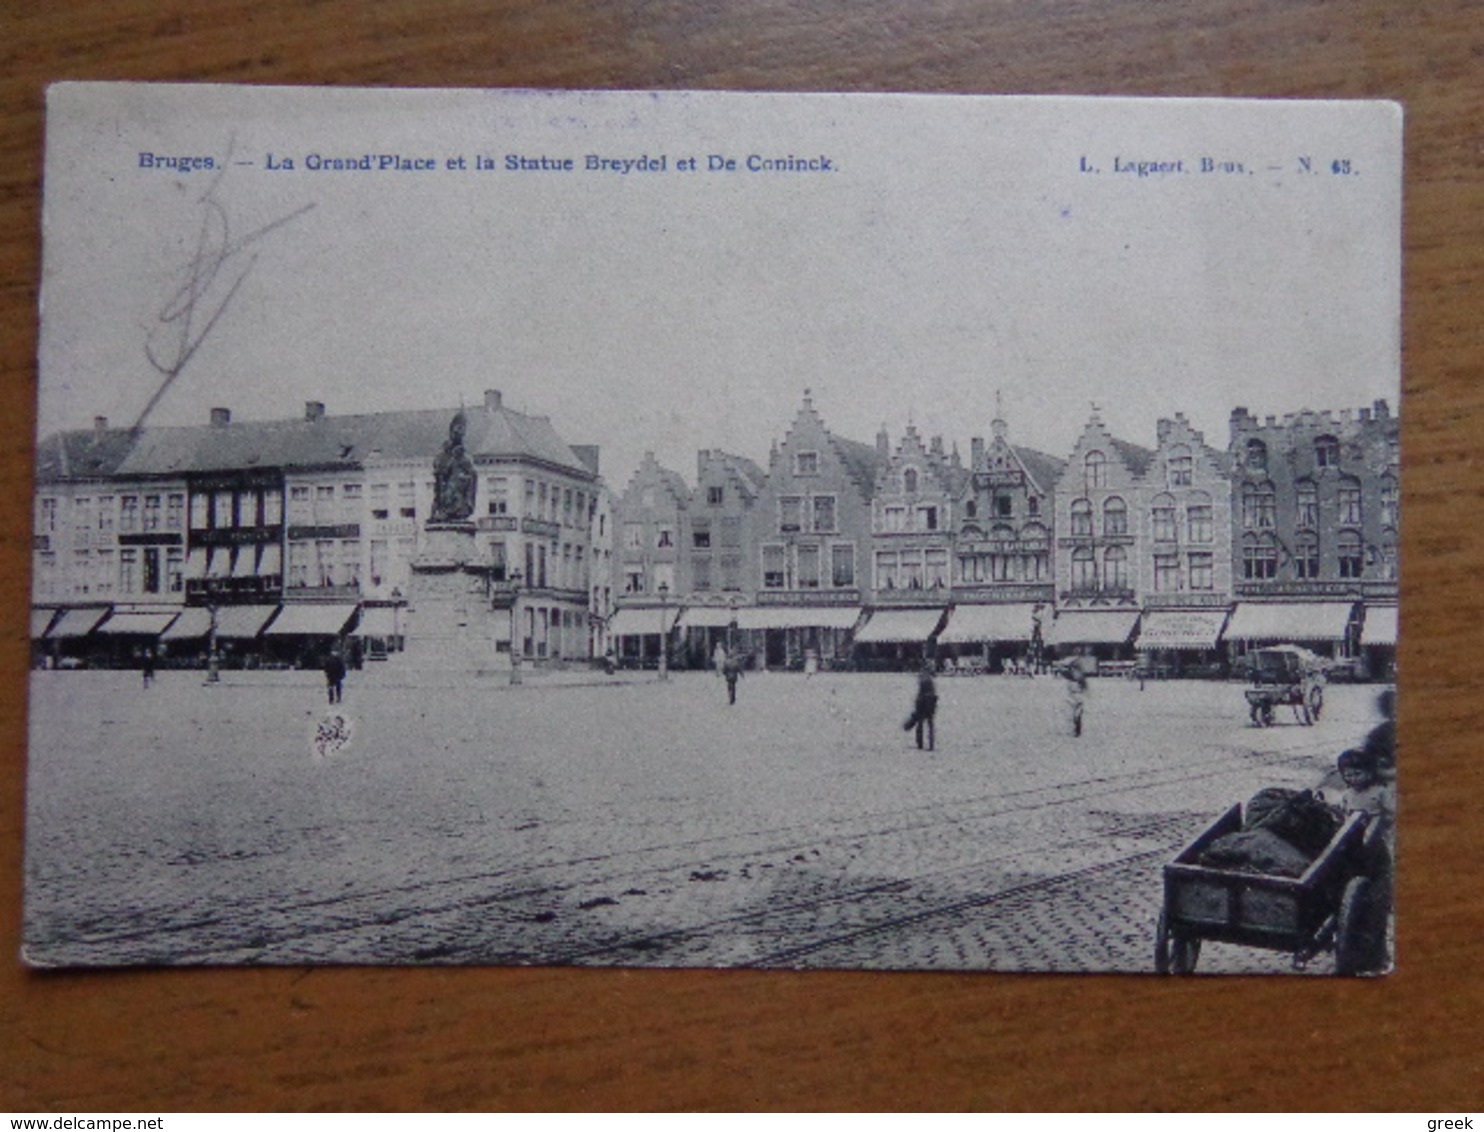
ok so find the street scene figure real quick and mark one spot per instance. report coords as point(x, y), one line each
point(147, 667)
point(731, 670)
point(924, 708)
point(335, 677)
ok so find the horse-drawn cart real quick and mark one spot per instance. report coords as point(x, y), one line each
point(1285, 676)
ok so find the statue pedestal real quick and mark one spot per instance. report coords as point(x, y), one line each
point(450, 625)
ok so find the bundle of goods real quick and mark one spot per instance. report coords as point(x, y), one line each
point(1282, 832)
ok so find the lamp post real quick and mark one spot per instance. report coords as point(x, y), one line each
point(514, 628)
point(664, 632)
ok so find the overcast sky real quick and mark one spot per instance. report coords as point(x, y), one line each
point(953, 249)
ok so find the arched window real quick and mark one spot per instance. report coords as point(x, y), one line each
point(1179, 466)
point(1306, 555)
point(1095, 469)
point(1349, 501)
point(1257, 456)
point(1162, 518)
point(1084, 569)
point(1115, 568)
point(1115, 516)
point(1348, 549)
point(1388, 501)
point(1081, 518)
point(1326, 452)
point(971, 509)
point(1388, 555)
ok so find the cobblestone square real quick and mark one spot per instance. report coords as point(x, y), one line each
point(625, 821)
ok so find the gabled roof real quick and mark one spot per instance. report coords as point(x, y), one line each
point(1135, 458)
point(344, 441)
point(1044, 469)
point(81, 454)
point(862, 461)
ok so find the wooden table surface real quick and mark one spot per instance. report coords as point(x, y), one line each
point(570, 1039)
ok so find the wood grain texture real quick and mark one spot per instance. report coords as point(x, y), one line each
point(519, 1039)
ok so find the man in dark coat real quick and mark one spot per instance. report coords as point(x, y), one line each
point(924, 708)
point(731, 670)
point(335, 677)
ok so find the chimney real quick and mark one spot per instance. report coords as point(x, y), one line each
point(493, 401)
point(221, 418)
point(314, 410)
point(100, 425)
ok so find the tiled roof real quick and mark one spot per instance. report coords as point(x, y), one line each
point(1044, 469)
point(81, 454)
point(862, 461)
point(1136, 458)
point(344, 441)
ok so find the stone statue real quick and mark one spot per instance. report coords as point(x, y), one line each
point(453, 476)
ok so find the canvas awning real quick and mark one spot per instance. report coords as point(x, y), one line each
point(311, 620)
point(1092, 627)
point(243, 621)
point(377, 621)
point(799, 617)
point(192, 623)
point(1380, 625)
point(989, 623)
point(899, 626)
point(41, 620)
point(709, 617)
point(76, 623)
point(1289, 621)
point(642, 622)
point(1181, 628)
point(137, 624)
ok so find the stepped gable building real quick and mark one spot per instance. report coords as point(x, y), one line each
point(1098, 526)
point(1184, 553)
point(1003, 584)
point(812, 530)
point(305, 530)
point(722, 551)
point(652, 570)
point(912, 518)
point(1315, 518)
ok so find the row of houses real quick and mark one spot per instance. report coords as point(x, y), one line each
point(272, 541)
point(840, 552)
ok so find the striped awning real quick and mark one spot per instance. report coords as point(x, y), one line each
point(1092, 627)
point(1380, 625)
point(799, 617)
point(309, 620)
point(1289, 621)
point(899, 626)
point(243, 622)
point(642, 622)
point(41, 620)
point(971, 624)
point(76, 623)
point(192, 623)
point(377, 621)
point(709, 617)
point(137, 624)
point(1181, 628)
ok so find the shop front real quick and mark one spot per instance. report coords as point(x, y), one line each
point(797, 637)
point(304, 634)
point(1329, 628)
point(1003, 637)
point(1103, 638)
point(1181, 643)
point(897, 640)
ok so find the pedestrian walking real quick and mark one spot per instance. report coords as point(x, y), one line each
point(925, 709)
point(147, 667)
point(731, 670)
point(335, 677)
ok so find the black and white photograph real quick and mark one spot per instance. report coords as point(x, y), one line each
point(713, 530)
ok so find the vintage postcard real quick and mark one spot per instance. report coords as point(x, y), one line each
point(678, 529)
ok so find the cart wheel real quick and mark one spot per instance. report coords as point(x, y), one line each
point(1256, 713)
point(1360, 935)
